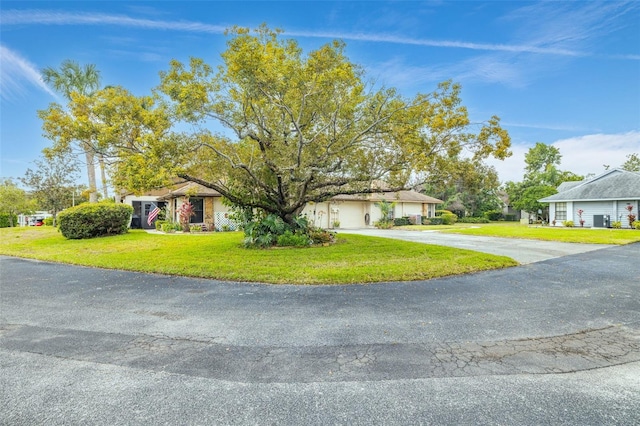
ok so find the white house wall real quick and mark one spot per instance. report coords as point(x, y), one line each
point(592, 208)
point(622, 211)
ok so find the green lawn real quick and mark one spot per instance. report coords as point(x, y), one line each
point(353, 259)
point(536, 232)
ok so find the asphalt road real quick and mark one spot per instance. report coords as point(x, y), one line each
point(523, 250)
point(550, 342)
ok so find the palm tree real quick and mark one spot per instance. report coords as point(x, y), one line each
point(70, 78)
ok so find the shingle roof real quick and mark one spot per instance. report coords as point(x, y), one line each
point(614, 184)
point(194, 190)
point(197, 190)
point(400, 196)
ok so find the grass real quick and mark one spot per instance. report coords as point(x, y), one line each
point(536, 232)
point(353, 259)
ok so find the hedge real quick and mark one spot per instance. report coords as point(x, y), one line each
point(4, 220)
point(89, 220)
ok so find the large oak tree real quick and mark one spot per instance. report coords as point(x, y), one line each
point(274, 129)
point(295, 128)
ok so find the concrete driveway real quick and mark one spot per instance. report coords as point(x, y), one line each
point(553, 342)
point(524, 251)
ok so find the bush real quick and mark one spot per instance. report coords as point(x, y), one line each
point(289, 239)
point(636, 224)
point(384, 224)
point(170, 227)
point(432, 221)
point(473, 220)
point(401, 221)
point(5, 222)
point(494, 215)
point(441, 212)
point(48, 221)
point(320, 236)
point(159, 224)
point(568, 223)
point(89, 220)
point(616, 224)
point(195, 228)
point(449, 218)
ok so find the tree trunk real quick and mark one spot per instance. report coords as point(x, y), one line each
point(91, 175)
point(103, 177)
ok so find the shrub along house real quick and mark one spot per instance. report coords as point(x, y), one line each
point(344, 211)
point(602, 199)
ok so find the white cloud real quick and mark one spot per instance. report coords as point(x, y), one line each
point(45, 17)
point(16, 72)
point(512, 168)
point(589, 153)
point(582, 155)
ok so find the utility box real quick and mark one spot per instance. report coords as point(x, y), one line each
point(601, 221)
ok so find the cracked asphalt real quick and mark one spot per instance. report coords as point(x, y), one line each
point(555, 341)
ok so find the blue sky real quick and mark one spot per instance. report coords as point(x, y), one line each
point(562, 73)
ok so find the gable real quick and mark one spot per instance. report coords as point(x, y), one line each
point(613, 185)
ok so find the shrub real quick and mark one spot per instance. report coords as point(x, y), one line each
point(441, 212)
point(473, 220)
point(89, 220)
point(616, 224)
point(289, 239)
point(432, 221)
point(320, 236)
point(636, 224)
point(494, 215)
point(384, 224)
point(449, 218)
point(159, 223)
point(401, 221)
point(185, 212)
point(48, 221)
point(568, 223)
point(170, 227)
point(195, 228)
point(5, 221)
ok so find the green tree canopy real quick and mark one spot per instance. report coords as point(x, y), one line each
point(541, 178)
point(52, 183)
point(632, 164)
point(301, 128)
point(14, 200)
point(72, 79)
point(273, 129)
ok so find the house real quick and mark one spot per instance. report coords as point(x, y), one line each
point(344, 211)
point(359, 211)
point(602, 199)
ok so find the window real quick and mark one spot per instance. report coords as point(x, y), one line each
point(198, 210)
point(561, 211)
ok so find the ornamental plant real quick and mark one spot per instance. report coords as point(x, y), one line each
point(581, 220)
point(185, 212)
point(631, 217)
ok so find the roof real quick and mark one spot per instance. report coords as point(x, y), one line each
point(614, 184)
point(193, 189)
point(399, 196)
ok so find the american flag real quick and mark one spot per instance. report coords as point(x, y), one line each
point(153, 214)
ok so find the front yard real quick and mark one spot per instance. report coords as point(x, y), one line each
point(538, 232)
point(353, 259)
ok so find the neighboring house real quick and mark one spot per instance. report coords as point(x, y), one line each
point(603, 199)
point(350, 211)
point(359, 211)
